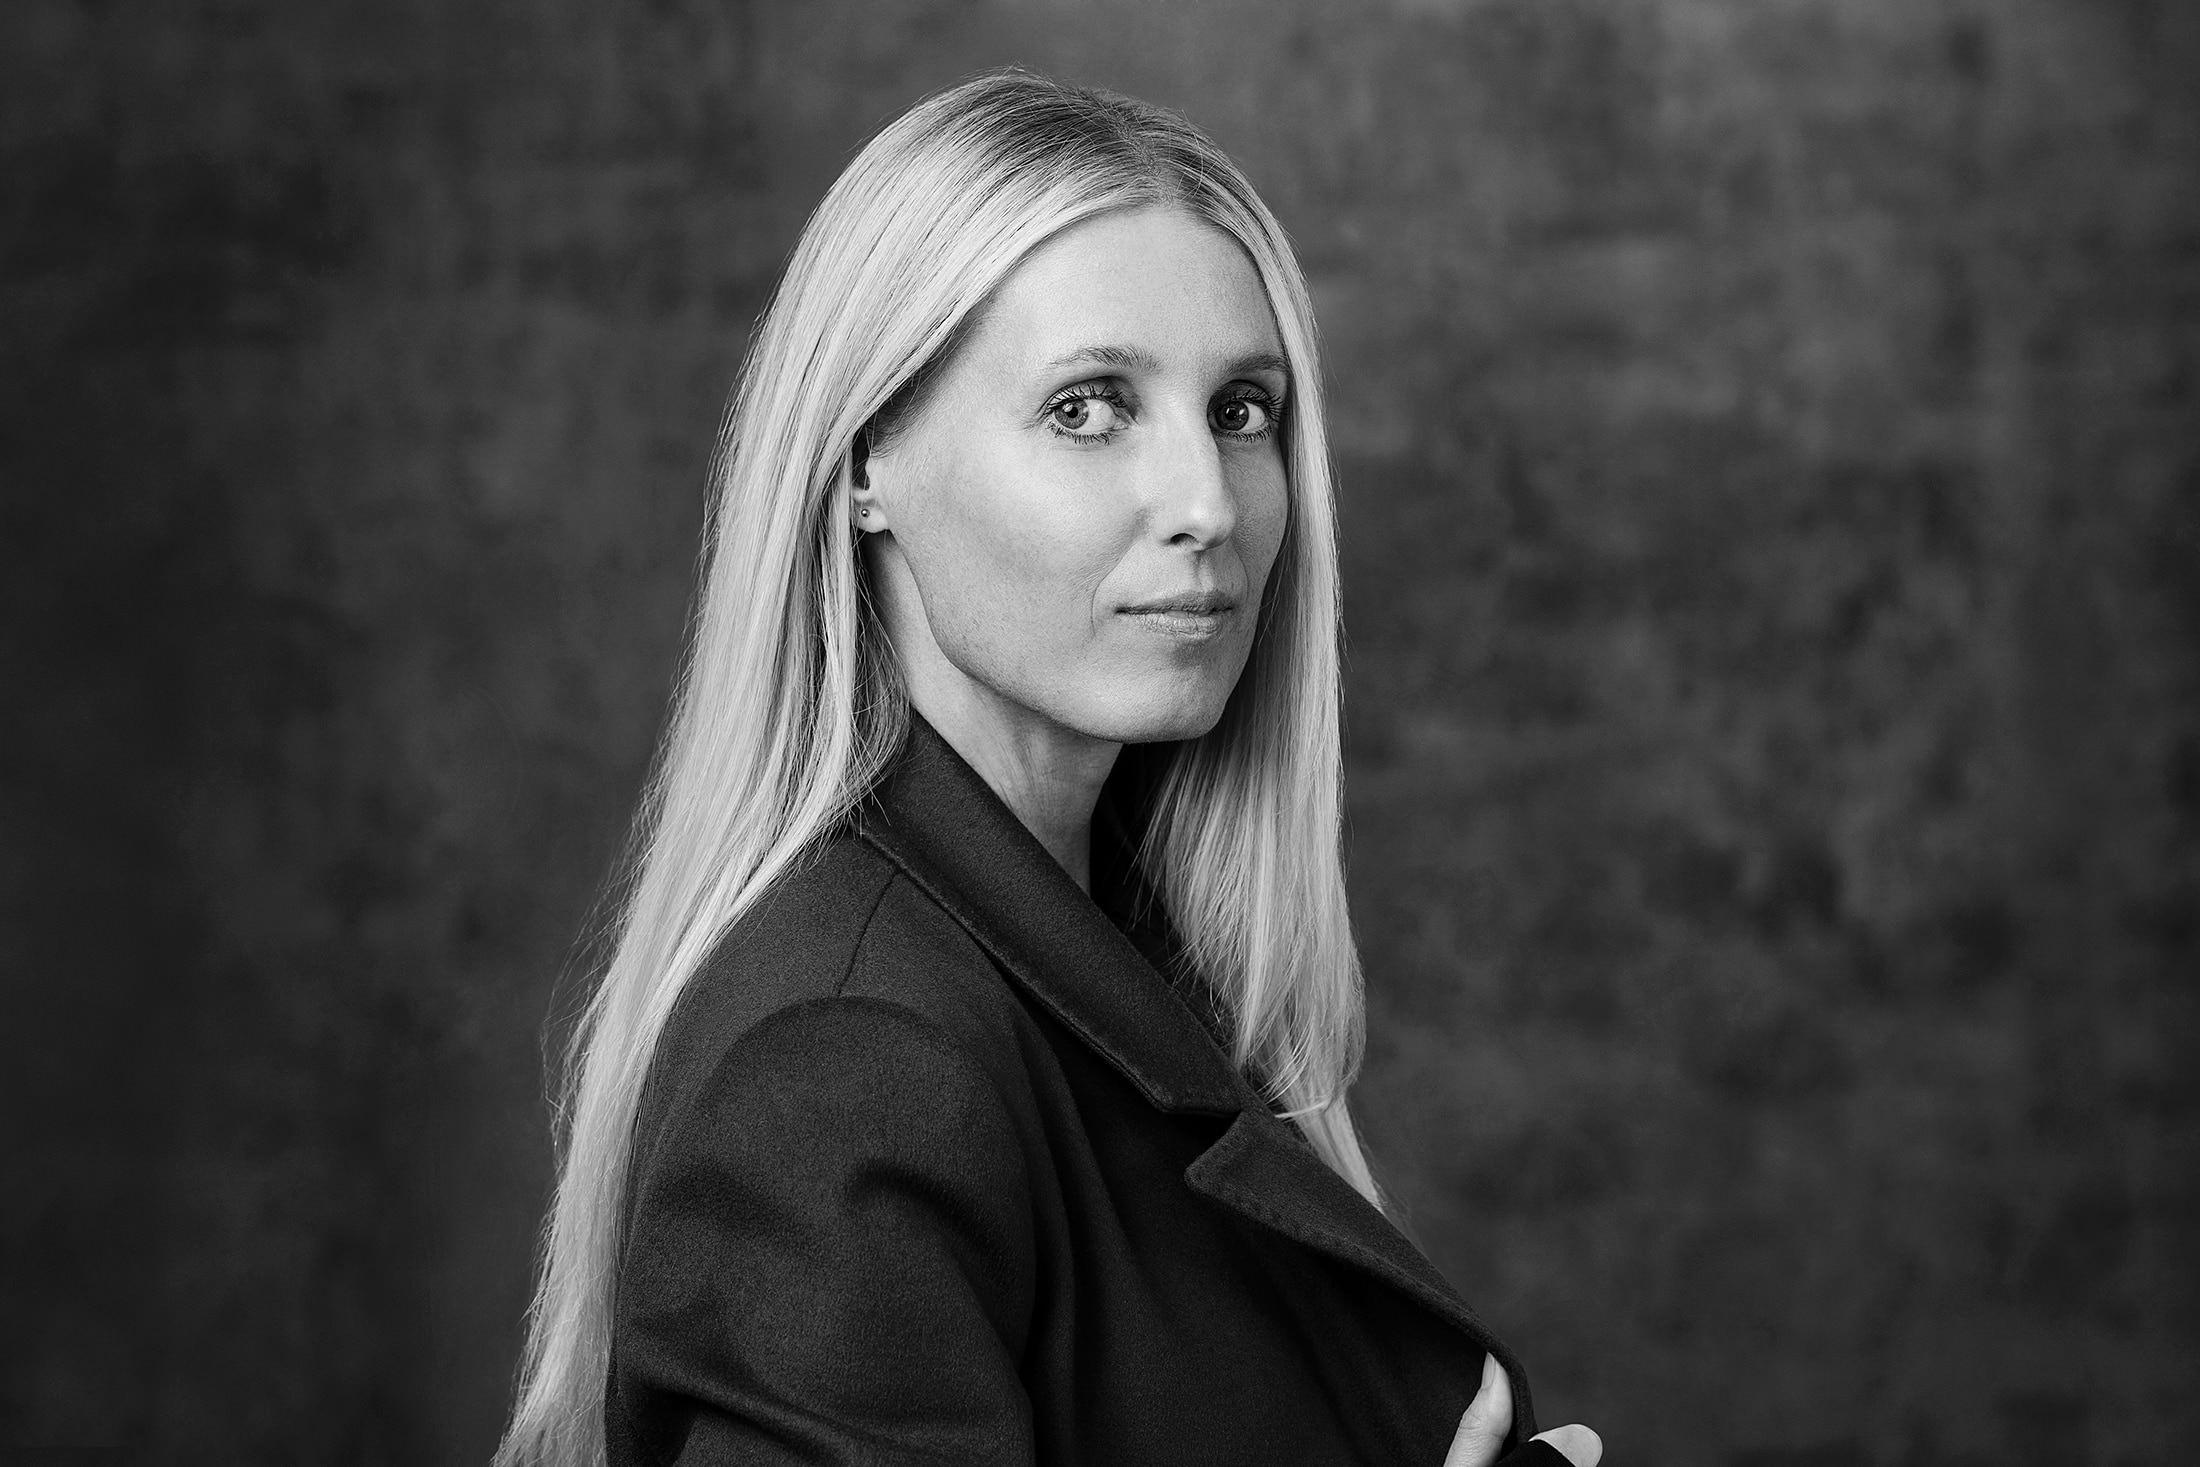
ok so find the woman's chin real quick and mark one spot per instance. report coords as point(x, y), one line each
point(1156, 713)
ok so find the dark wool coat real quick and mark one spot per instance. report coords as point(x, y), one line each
point(934, 1165)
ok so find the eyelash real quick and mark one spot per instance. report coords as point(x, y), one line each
point(1084, 392)
point(1269, 403)
point(1271, 407)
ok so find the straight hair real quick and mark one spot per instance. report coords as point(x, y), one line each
point(789, 709)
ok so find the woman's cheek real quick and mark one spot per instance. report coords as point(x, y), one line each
point(1267, 541)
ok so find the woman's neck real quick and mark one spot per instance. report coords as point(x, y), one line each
point(1048, 775)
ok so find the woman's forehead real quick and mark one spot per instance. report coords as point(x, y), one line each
point(1151, 289)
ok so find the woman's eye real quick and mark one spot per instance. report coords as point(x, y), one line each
point(1243, 417)
point(1085, 417)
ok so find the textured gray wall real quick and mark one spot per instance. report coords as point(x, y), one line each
point(1772, 505)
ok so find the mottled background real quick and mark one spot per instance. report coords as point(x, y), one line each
point(1772, 509)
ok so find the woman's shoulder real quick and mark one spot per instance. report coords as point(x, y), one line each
point(845, 931)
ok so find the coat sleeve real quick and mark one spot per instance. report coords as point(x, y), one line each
point(830, 1255)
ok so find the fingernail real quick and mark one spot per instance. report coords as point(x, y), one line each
point(1490, 1371)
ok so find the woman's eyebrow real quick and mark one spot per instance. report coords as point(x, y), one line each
point(1262, 361)
point(1136, 359)
point(1123, 358)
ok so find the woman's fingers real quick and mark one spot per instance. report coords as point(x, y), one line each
point(1577, 1444)
point(1487, 1418)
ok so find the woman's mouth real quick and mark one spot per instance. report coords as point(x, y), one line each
point(1194, 616)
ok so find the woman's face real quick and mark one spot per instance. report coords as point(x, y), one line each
point(1080, 517)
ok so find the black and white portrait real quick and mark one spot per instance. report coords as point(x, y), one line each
point(1432, 732)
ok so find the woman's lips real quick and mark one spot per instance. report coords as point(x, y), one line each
point(1195, 616)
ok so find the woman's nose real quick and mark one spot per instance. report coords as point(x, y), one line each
point(1193, 506)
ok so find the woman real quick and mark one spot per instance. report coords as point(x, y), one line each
point(969, 1080)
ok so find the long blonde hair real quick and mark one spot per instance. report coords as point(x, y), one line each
point(789, 708)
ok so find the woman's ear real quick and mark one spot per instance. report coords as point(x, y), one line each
point(870, 514)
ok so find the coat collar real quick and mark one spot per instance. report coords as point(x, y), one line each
point(937, 819)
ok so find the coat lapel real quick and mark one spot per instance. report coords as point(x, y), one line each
point(1262, 1169)
point(940, 822)
point(937, 819)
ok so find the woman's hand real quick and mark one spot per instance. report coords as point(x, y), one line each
point(1489, 1416)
